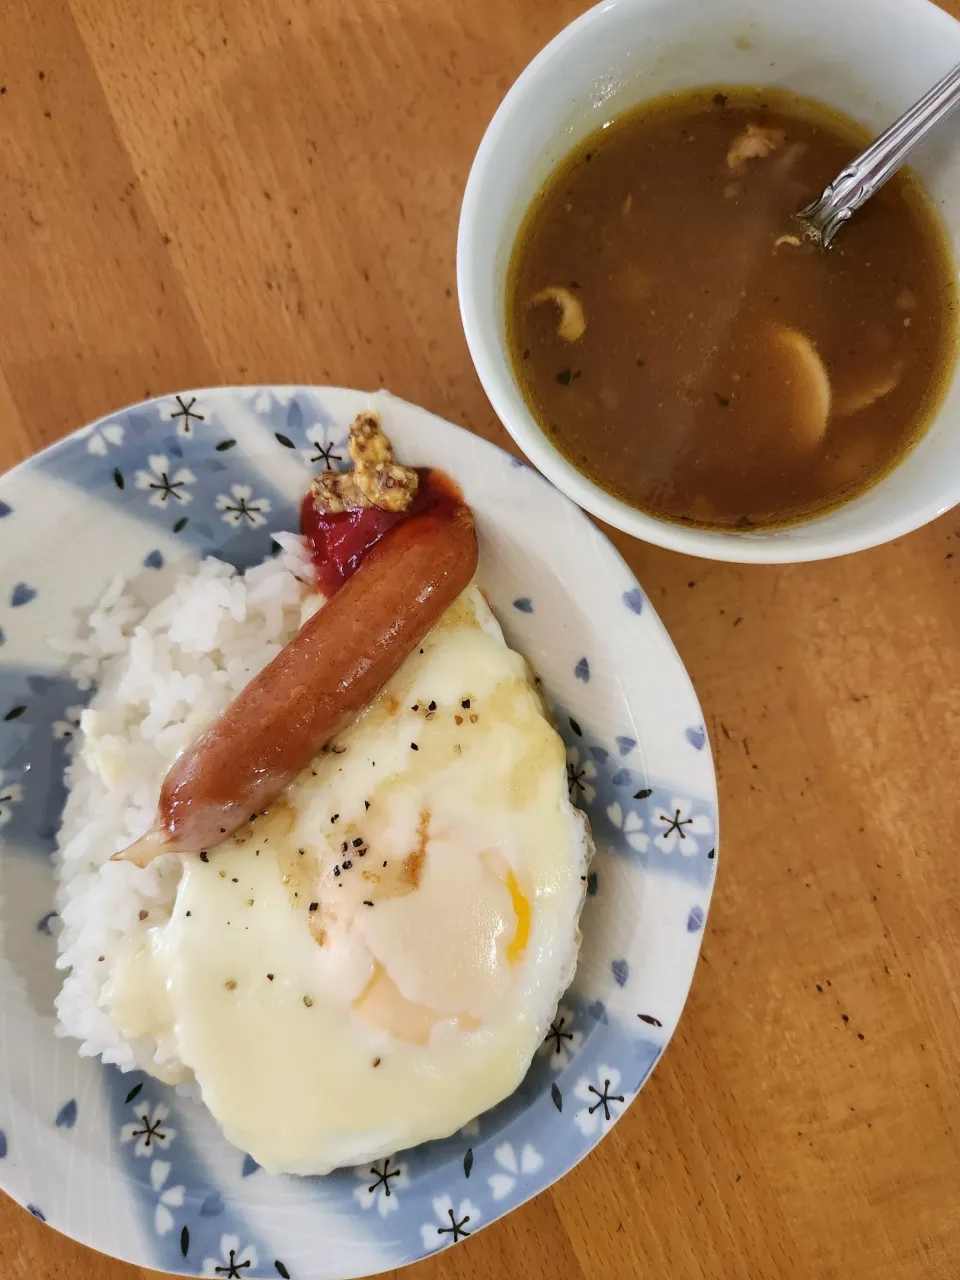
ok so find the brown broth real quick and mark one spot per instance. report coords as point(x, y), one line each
point(721, 378)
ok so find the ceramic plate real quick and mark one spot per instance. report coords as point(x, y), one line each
point(121, 1162)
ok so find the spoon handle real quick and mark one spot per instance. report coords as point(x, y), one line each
point(871, 169)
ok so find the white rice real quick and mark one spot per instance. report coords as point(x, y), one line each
point(162, 675)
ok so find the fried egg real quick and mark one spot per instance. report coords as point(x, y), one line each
point(374, 961)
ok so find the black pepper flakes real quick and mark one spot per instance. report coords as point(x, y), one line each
point(384, 864)
point(270, 977)
point(204, 856)
point(358, 842)
point(336, 871)
point(189, 913)
point(367, 902)
point(143, 915)
point(377, 1061)
point(432, 706)
point(234, 880)
point(344, 847)
point(416, 705)
point(366, 804)
point(465, 704)
point(347, 865)
point(414, 747)
point(314, 906)
point(301, 852)
point(231, 984)
point(334, 817)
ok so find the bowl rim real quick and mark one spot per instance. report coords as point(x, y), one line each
point(493, 366)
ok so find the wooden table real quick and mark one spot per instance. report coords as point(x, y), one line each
point(196, 192)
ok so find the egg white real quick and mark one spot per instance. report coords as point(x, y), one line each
point(374, 962)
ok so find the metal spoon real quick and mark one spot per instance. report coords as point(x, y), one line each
point(871, 169)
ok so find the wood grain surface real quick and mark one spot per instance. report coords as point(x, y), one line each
point(218, 191)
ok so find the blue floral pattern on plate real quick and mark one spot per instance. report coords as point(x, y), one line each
point(124, 1163)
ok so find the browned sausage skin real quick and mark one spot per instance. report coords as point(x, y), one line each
point(334, 666)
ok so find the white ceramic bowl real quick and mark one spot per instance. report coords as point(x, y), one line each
point(868, 58)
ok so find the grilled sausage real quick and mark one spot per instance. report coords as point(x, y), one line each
point(334, 666)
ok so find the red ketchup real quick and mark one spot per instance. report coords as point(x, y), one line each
point(338, 542)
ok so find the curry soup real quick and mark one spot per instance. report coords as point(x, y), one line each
point(690, 349)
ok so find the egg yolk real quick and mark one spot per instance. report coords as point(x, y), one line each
point(521, 909)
